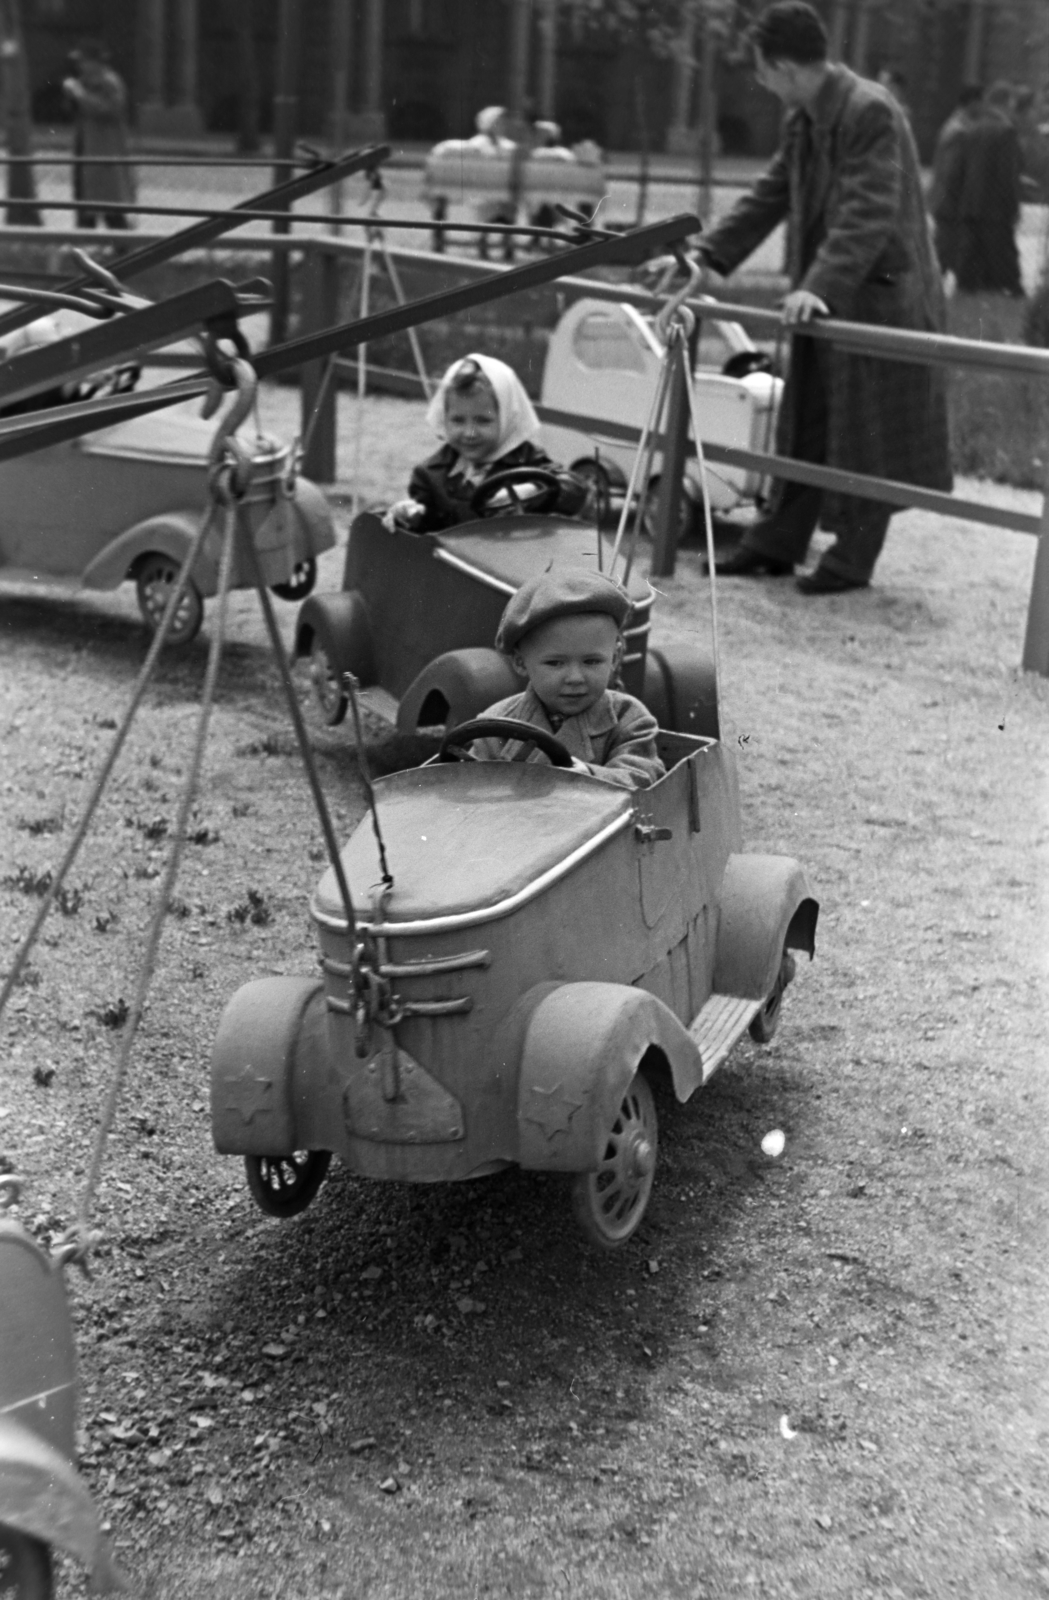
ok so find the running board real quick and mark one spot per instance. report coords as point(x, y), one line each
point(717, 1027)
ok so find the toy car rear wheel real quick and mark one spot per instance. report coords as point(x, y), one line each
point(282, 1186)
point(765, 1022)
point(300, 584)
point(598, 503)
point(155, 577)
point(610, 1202)
point(688, 510)
point(25, 1566)
point(330, 695)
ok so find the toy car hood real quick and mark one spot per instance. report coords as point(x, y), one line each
point(473, 840)
point(513, 549)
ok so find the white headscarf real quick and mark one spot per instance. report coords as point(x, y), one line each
point(517, 419)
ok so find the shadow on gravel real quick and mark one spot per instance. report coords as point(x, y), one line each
point(482, 1297)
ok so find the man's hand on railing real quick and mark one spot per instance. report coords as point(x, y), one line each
point(801, 306)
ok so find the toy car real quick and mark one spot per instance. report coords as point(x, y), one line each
point(126, 501)
point(550, 951)
point(417, 615)
point(603, 362)
point(43, 1499)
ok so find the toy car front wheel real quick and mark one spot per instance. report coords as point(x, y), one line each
point(765, 1022)
point(155, 577)
point(610, 1202)
point(282, 1186)
point(25, 1566)
point(331, 697)
point(300, 584)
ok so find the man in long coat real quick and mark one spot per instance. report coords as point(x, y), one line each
point(99, 99)
point(846, 180)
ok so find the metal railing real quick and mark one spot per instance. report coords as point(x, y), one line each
point(322, 255)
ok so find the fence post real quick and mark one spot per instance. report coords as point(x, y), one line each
point(1036, 639)
point(320, 309)
point(672, 472)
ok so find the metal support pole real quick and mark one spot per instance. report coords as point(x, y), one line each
point(547, 94)
point(708, 115)
point(285, 111)
point(341, 41)
point(520, 49)
point(672, 472)
point(1036, 639)
point(320, 301)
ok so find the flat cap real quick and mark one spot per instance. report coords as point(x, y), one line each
point(559, 592)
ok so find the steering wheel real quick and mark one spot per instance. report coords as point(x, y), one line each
point(453, 745)
point(545, 500)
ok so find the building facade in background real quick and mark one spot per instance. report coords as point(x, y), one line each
point(419, 70)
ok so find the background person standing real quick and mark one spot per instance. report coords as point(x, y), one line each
point(99, 99)
point(847, 182)
point(990, 189)
point(948, 164)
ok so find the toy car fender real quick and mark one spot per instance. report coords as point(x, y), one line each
point(268, 1027)
point(455, 687)
point(582, 1046)
point(313, 514)
point(681, 689)
point(341, 624)
point(765, 908)
point(170, 534)
point(41, 1493)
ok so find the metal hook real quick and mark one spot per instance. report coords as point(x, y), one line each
point(225, 450)
point(675, 307)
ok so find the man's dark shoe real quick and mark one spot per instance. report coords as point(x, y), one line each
point(744, 563)
point(824, 581)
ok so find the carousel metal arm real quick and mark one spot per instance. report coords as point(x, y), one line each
point(125, 336)
point(320, 176)
point(623, 248)
point(120, 336)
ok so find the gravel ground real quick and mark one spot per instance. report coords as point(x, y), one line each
point(822, 1376)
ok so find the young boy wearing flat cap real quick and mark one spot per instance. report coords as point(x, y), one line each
point(561, 631)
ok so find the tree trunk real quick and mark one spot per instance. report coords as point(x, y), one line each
point(21, 181)
point(247, 78)
point(644, 139)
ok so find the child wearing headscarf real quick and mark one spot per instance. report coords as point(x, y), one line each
point(488, 425)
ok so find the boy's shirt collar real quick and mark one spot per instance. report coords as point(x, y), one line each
point(598, 718)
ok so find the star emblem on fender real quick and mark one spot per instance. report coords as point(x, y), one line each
point(252, 1094)
point(551, 1109)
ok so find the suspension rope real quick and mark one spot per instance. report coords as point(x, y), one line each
point(164, 893)
point(97, 788)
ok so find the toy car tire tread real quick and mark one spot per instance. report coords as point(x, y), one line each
point(155, 577)
point(609, 1203)
point(284, 1185)
point(25, 1565)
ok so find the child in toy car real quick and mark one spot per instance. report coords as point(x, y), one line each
point(561, 630)
point(489, 426)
